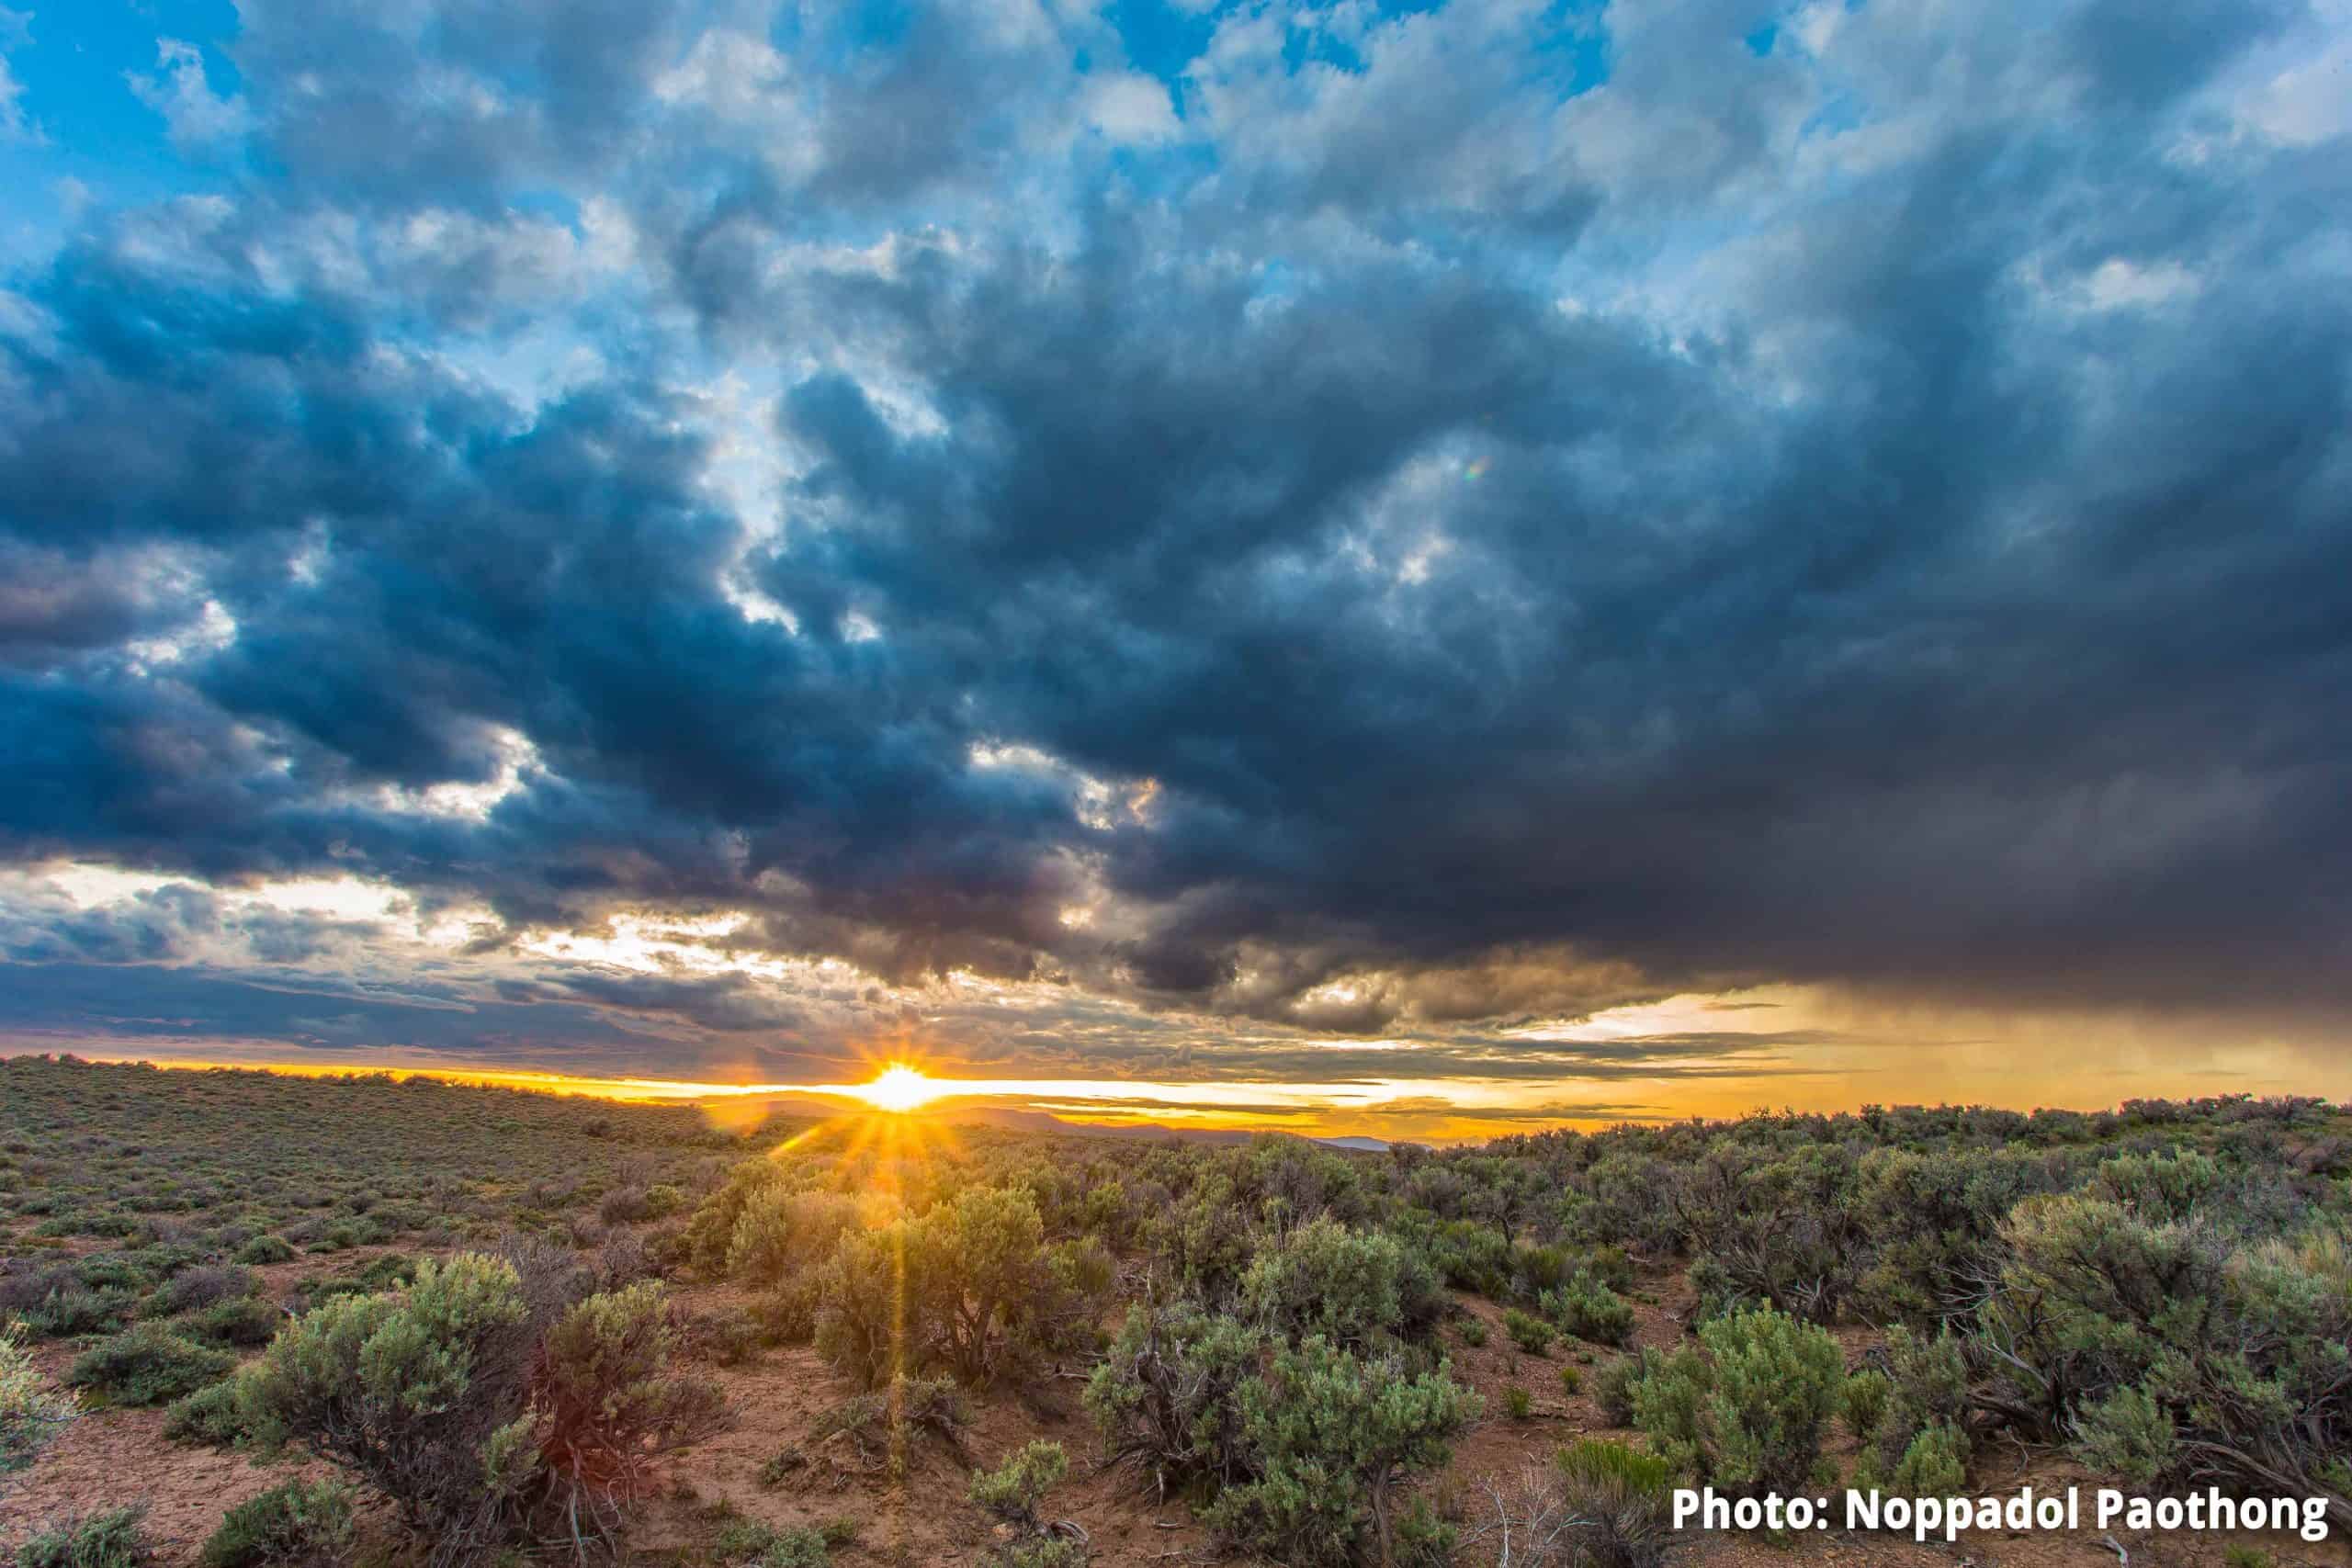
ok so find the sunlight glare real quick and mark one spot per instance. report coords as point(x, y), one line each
point(899, 1088)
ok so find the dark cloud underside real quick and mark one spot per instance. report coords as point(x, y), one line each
point(1410, 525)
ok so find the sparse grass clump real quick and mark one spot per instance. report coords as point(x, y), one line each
point(878, 1427)
point(1620, 1500)
point(148, 1365)
point(750, 1542)
point(115, 1538)
point(302, 1524)
point(31, 1412)
point(1014, 1494)
point(1012, 1491)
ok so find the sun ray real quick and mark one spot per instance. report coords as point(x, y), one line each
point(900, 1089)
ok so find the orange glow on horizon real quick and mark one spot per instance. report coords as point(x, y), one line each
point(900, 1089)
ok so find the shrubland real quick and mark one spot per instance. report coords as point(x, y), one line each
point(468, 1303)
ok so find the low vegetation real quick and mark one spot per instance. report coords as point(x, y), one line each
point(297, 1523)
point(467, 1303)
point(112, 1538)
point(30, 1411)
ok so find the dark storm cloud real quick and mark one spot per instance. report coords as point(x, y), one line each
point(1444, 542)
point(85, 1006)
point(731, 1004)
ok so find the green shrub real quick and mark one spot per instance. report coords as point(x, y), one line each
point(779, 1232)
point(710, 1232)
point(1747, 1413)
point(1934, 1464)
point(114, 1539)
point(1518, 1402)
point(192, 1290)
point(2234, 1355)
point(1863, 1403)
point(1571, 1381)
point(264, 1249)
point(211, 1418)
point(2128, 1434)
point(787, 1314)
point(1324, 1440)
point(1529, 1332)
point(72, 1309)
point(1054, 1552)
point(1540, 1268)
point(1474, 1332)
point(1611, 1267)
point(2158, 1187)
point(1012, 1492)
point(245, 1322)
point(1590, 1309)
point(424, 1395)
point(1612, 1388)
point(388, 1272)
point(116, 1272)
point(1934, 1220)
point(481, 1403)
point(1926, 1391)
point(867, 1325)
point(148, 1365)
point(1600, 1460)
point(30, 1413)
point(301, 1524)
point(1356, 1289)
point(605, 1402)
point(727, 1335)
point(267, 1249)
point(1719, 1295)
point(1166, 1398)
point(1199, 1241)
point(1469, 1256)
point(967, 1284)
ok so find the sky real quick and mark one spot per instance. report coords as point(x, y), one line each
point(1424, 569)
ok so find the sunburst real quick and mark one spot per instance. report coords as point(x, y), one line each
point(899, 1089)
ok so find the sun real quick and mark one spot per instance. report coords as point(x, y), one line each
point(899, 1088)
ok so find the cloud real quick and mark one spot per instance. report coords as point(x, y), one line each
point(1482, 520)
point(1131, 108)
point(197, 117)
point(16, 125)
